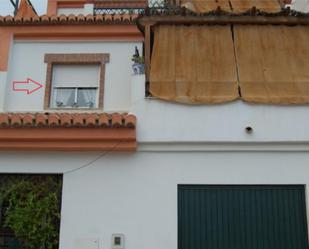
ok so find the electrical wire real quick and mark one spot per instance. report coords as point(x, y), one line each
point(103, 154)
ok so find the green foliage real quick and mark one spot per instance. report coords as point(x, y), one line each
point(33, 211)
point(139, 60)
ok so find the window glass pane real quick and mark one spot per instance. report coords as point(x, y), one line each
point(65, 97)
point(86, 97)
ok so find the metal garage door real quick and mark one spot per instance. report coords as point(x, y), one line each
point(242, 217)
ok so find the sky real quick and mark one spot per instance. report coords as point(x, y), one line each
point(6, 8)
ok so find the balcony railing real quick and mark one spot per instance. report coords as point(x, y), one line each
point(117, 11)
point(137, 9)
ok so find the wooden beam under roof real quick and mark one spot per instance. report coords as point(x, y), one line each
point(222, 20)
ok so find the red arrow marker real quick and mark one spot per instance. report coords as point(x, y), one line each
point(29, 86)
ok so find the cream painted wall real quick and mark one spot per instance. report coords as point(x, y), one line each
point(27, 60)
point(136, 194)
point(300, 5)
point(3, 80)
point(68, 11)
point(87, 10)
point(165, 122)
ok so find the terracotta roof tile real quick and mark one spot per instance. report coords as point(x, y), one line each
point(36, 19)
point(41, 120)
point(44, 18)
point(99, 18)
point(32, 120)
point(70, 19)
point(117, 120)
point(130, 121)
point(4, 120)
point(53, 120)
point(91, 120)
point(78, 120)
point(16, 120)
point(66, 120)
point(28, 120)
point(104, 120)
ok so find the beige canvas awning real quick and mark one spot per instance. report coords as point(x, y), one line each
point(273, 63)
point(269, 6)
point(193, 64)
point(236, 6)
point(202, 6)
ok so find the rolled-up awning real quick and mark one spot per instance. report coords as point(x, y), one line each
point(236, 6)
point(269, 6)
point(207, 64)
point(202, 6)
point(193, 64)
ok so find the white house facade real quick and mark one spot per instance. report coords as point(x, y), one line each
point(131, 188)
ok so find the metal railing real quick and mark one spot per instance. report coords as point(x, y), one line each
point(117, 11)
point(152, 4)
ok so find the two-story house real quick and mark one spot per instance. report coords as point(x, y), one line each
point(206, 149)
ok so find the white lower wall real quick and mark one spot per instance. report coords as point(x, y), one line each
point(162, 121)
point(136, 194)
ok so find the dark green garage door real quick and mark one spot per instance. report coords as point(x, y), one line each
point(242, 217)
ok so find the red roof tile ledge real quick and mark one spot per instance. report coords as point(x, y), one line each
point(68, 131)
point(67, 120)
point(69, 19)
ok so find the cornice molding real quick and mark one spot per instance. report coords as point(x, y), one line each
point(279, 146)
point(67, 132)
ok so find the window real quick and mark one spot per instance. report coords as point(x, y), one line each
point(75, 86)
point(75, 81)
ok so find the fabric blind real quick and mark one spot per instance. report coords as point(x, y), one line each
point(273, 63)
point(202, 6)
point(76, 75)
point(237, 6)
point(194, 64)
point(269, 6)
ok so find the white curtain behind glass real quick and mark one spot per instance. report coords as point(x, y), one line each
point(86, 97)
point(64, 97)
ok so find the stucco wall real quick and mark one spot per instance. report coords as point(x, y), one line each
point(3, 79)
point(161, 121)
point(68, 11)
point(300, 5)
point(27, 60)
point(136, 194)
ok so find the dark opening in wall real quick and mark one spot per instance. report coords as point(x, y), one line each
point(30, 207)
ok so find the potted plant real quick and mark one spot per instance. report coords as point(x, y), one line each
point(138, 65)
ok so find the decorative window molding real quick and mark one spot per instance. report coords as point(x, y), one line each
point(74, 59)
